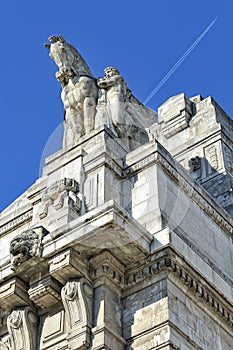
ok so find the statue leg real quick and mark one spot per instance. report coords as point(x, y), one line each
point(73, 128)
point(89, 111)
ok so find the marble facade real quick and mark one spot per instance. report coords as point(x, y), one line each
point(125, 241)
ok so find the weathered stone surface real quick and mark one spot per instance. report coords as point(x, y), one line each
point(132, 252)
point(91, 103)
point(22, 328)
point(13, 293)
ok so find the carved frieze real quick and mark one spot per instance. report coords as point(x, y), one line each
point(26, 245)
point(22, 328)
point(20, 220)
point(77, 297)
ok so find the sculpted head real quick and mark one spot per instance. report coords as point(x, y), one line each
point(111, 71)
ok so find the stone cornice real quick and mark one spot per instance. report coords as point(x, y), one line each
point(154, 153)
point(169, 261)
point(16, 222)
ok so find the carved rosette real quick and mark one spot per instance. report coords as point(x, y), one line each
point(22, 328)
point(77, 300)
point(26, 245)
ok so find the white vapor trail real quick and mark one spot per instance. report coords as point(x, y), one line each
point(178, 63)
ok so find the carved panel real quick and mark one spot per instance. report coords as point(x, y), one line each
point(53, 331)
point(22, 328)
point(228, 158)
point(213, 157)
point(26, 245)
point(91, 191)
point(77, 300)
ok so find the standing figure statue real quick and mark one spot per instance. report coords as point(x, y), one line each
point(120, 110)
point(79, 90)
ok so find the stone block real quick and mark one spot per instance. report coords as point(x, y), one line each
point(13, 293)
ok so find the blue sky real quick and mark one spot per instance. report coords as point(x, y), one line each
point(144, 39)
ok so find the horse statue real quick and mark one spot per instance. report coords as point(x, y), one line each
point(79, 90)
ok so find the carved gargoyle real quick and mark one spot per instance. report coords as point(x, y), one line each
point(26, 245)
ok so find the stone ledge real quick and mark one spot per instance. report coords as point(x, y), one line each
point(88, 234)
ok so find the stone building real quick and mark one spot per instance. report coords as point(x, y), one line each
point(125, 241)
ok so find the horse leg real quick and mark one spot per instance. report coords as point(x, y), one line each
point(73, 127)
point(89, 111)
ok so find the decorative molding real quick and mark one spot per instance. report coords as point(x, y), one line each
point(22, 328)
point(45, 293)
point(200, 288)
point(11, 225)
point(27, 245)
point(106, 265)
point(77, 297)
point(192, 191)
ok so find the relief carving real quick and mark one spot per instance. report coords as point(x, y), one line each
point(77, 300)
point(26, 245)
point(63, 193)
point(194, 163)
point(22, 328)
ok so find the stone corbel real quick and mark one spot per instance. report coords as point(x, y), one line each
point(13, 293)
point(22, 328)
point(68, 264)
point(77, 297)
point(45, 292)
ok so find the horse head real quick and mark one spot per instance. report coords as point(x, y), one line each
point(67, 58)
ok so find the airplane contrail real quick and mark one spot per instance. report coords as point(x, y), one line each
point(178, 63)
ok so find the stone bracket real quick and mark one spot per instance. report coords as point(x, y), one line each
point(13, 293)
point(45, 293)
point(66, 265)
